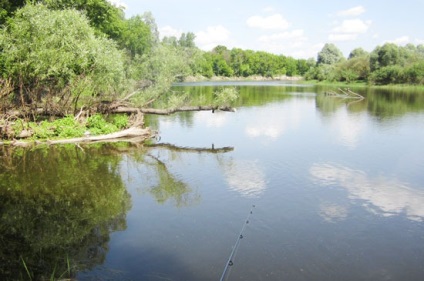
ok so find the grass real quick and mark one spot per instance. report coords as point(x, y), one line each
point(411, 87)
point(67, 272)
point(69, 127)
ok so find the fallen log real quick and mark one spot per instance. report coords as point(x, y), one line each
point(128, 133)
point(172, 110)
point(133, 134)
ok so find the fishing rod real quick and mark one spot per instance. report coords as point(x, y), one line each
point(230, 258)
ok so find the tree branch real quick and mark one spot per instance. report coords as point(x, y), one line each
point(175, 148)
point(172, 110)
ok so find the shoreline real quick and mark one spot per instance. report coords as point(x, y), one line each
point(238, 78)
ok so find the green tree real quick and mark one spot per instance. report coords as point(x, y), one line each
point(358, 52)
point(187, 40)
point(136, 36)
point(151, 23)
point(103, 16)
point(8, 7)
point(329, 54)
point(383, 56)
point(54, 57)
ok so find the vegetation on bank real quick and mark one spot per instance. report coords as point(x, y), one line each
point(79, 57)
point(385, 65)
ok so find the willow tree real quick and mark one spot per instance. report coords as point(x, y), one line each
point(55, 60)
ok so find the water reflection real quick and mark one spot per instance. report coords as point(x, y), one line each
point(348, 127)
point(283, 118)
point(61, 203)
point(383, 196)
point(245, 176)
point(58, 209)
point(218, 120)
point(332, 212)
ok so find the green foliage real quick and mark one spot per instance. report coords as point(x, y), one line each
point(387, 64)
point(159, 69)
point(225, 96)
point(187, 40)
point(120, 121)
point(8, 7)
point(244, 63)
point(391, 74)
point(103, 16)
point(56, 53)
point(136, 36)
point(329, 54)
point(97, 125)
point(358, 52)
point(69, 127)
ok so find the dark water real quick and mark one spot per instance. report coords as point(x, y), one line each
point(337, 184)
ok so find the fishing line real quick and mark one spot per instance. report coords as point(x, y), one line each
point(230, 258)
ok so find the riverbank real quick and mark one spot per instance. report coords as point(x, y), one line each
point(70, 129)
point(409, 87)
point(200, 78)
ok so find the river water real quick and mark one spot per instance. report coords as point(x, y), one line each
point(322, 188)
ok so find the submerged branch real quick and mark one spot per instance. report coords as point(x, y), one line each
point(173, 147)
point(345, 94)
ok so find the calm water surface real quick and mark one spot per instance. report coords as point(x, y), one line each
point(337, 185)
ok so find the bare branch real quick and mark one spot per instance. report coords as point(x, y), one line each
point(172, 110)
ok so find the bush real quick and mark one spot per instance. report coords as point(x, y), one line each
point(388, 75)
point(55, 53)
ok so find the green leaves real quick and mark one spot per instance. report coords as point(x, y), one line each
point(57, 52)
point(329, 54)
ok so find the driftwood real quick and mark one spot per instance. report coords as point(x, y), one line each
point(172, 110)
point(346, 94)
point(126, 109)
point(133, 134)
point(191, 149)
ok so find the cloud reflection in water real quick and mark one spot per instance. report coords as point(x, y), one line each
point(332, 212)
point(385, 196)
point(245, 177)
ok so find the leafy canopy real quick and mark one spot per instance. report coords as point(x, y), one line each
point(49, 51)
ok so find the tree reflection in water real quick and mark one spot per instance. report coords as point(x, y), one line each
point(60, 204)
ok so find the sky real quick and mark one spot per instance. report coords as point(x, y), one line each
point(293, 28)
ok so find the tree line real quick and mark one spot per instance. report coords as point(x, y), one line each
point(65, 55)
point(386, 64)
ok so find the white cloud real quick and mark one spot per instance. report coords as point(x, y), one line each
point(401, 40)
point(213, 36)
point(342, 37)
point(168, 31)
point(353, 26)
point(356, 11)
point(119, 4)
point(349, 30)
point(297, 34)
point(287, 42)
point(269, 9)
point(272, 22)
point(419, 41)
point(384, 196)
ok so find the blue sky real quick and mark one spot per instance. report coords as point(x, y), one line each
point(292, 28)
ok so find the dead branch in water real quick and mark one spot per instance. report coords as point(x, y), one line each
point(346, 94)
point(172, 110)
point(191, 149)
